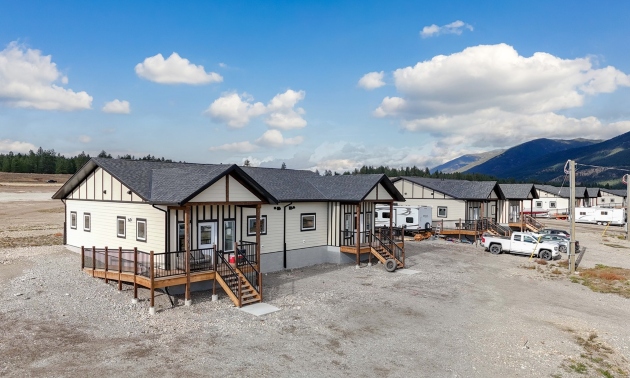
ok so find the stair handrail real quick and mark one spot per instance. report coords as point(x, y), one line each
point(391, 247)
point(494, 226)
point(224, 269)
point(533, 222)
point(256, 275)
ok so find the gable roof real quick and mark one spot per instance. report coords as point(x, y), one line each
point(617, 192)
point(162, 182)
point(296, 185)
point(563, 192)
point(592, 192)
point(518, 191)
point(460, 189)
point(178, 183)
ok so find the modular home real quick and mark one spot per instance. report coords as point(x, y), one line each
point(159, 223)
point(612, 198)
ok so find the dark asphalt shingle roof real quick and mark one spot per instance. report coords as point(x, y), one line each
point(460, 189)
point(177, 183)
point(617, 192)
point(563, 192)
point(518, 191)
point(592, 192)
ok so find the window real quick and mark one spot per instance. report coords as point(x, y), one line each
point(603, 200)
point(552, 204)
point(493, 210)
point(385, 215)
point(121, 227)
point(604, 213)
point(73, 220)
point(539, 204)
point(582, 212)
point(229, 235)
point(251, 225)
point(441, 211)
point(87, 222)
point(409, 220)
point(612, 200)
point(368, 221)
point(141, 230)
point(181, 236)
point(528, 239)
point(308, 222)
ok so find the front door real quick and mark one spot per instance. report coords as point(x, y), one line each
point(207, 234)
point(515, 213)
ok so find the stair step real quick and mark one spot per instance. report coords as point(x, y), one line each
point(248, 301)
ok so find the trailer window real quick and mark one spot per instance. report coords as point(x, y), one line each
point(604, 213)
point(552, 204)
point(539, 204)
point(385, 215)
point(582, 212)
point(409, 220)
point(441, 211)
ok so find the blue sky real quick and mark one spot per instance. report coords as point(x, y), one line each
point(318, 85)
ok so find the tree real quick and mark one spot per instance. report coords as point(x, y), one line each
point(246, 163)
point(283, 166)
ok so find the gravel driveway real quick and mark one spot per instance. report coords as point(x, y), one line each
point(465, 313)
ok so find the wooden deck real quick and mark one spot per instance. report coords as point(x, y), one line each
point(173, 280)
point(363, 248)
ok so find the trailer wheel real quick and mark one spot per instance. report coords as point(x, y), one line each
point(427, 226)
point(390, 265)
point(495, 249)
point(605, 223)
point(599, 223)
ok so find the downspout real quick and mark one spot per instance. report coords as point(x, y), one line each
point(284, 236)
point(65, 216)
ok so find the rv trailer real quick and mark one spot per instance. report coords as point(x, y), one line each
point(412, 218)
point(600, 215)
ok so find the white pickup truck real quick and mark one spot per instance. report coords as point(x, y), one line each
point(521, 243)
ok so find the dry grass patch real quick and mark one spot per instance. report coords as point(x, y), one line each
point(31, 241)
point(618, 246)
point(598, 359)
point(605, 279)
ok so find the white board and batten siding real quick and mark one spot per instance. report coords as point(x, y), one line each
point(418, 195)
point(379, 193)
point(217, 192)
point(295, 237)
point(101, 186)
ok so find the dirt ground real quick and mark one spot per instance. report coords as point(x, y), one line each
point(463, 312)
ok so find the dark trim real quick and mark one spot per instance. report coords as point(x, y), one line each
point(166, 224)
point(124, 219)
point(89, 229)
point(146, 230)
point(87, 200)
point(223, 229)
point(302, 215)
point(254, 218)
point(76, 220)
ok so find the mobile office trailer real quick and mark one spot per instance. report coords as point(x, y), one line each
point(412, 218)
point(600, 215)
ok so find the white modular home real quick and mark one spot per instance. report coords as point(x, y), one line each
point(553, 201)
point(517, 198)
point(160, 224)
point(612, 198)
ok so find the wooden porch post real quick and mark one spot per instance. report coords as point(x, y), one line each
point(358, 232)
point(391, 218)
point(93, 260)
point(106, 264)
point(187, 216)
point(119, 268)
point(82, 257)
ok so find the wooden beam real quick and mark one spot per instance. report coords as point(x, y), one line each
point(358, 232)
point(258, 238)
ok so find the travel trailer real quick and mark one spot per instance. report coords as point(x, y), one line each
point(412, 218)
point(600, 215)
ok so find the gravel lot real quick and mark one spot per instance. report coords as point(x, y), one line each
point(466, 313)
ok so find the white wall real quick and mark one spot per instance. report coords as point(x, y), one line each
point(217, 192)
point(610, 200)
point(103, 230)
point(100, 185)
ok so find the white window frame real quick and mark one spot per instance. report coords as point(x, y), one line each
point(87, 226)
point(251, 225)
point(141, 238)
point(553, 205)
point(440, 209)
point(73, 220)
point(305, 216)
point(122, 235)
point(538, 204)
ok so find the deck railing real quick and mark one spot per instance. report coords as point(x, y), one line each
point(383, 238)
point(349, 237)
point(246, 253)
point(228, 274)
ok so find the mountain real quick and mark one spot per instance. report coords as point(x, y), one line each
point(465, 162)
point(507, 164)
point(542, 160)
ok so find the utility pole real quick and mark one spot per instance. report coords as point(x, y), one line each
point(625, 216)
point(572, 217)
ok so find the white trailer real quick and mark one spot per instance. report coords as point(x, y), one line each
point(413, 218)
point(600, 215)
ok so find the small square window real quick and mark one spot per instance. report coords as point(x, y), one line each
point(87, 222)
point(73, 220)
point(251, 225)
point(441, 211)
point(141, 230)
point(121, 227)
point(308, 222)
point(552, 204)
point(539, 204)
point(386, 215)
point(612, 200)
point(409, 220)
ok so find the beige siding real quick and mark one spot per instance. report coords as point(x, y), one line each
point(239, 193)
point(103, 231)
point(378, 193)
point(214, 193)
point(107, 185)
point(456, 209)
point(101, 186)
point(414, 191)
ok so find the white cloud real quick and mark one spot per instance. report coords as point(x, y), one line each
point(238, 110)
point(372, 80)
point(235, 147)
point(235, 110)
point(29, 79)
point(456, 27)
point(175, 70)
point(492, 96)
point(8, 145)
point(117, 107)
point(274, 138)
point(85, 139)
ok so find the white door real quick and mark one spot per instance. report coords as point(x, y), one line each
point(207, 235)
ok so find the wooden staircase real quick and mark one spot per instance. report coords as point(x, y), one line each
point(383, 255)
point(241, 293)
point(532, 224)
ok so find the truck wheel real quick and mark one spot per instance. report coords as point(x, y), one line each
point(495, 249)
point(545, 255)
point(390, 265)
